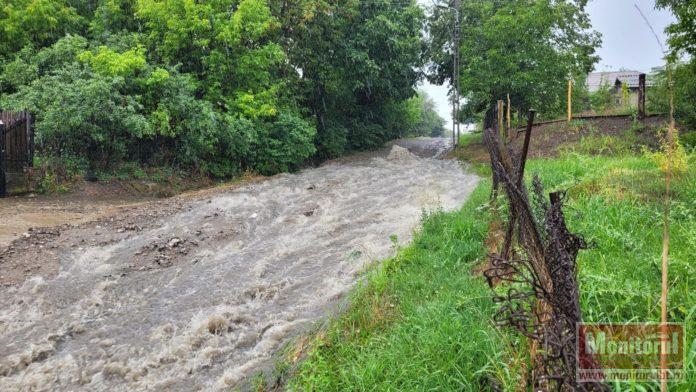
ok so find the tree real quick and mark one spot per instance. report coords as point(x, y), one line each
point(219, 86)
point(684, 82)
point(38, 22)
point(682, 39)
point(682, 35)
point(431, 123)
point(357, 62)
point(424, 119)
point(525, 48)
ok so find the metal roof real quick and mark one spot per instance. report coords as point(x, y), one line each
point(596, 79)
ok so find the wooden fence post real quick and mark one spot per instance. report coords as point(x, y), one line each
point(641, 96)
point(3, 190)
point(502, 131)
point(570, 100)
point(508, 111)
point(525, 147)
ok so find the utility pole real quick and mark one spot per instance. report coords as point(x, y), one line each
point(455, 71)
point(641, 96)
point(455, 123)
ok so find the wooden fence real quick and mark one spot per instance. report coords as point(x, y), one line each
point(16, 145)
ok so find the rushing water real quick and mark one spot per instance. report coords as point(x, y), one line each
point(201, 298)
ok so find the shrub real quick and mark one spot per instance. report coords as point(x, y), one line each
point(82, 114)
point(684, 81)
point(670, 158)
point(332, 140)
point(688, 139)
point(367, 136)
point(53, 174)
point(29, 64)
point(602, 100)
point(218, 144)
point(283, 144)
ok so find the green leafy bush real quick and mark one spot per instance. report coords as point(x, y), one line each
point(81, 113)
point(602, 100)
point(688, 139)
point(684, 81)
point(55, 174)
point(284, 144)
point(332, 140)
point(366, 136)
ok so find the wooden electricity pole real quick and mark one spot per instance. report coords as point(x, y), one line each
point(455, 63)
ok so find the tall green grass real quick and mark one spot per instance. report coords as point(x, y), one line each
point(423, 321)
point(616, 202)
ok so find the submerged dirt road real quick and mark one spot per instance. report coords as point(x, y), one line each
point(198, 292)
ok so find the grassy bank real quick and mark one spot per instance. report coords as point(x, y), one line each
point(423, 320)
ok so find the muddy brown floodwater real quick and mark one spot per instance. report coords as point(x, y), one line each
point(197, 292)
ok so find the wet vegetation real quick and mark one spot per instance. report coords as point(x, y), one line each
point(214, 87)
point(423, 320)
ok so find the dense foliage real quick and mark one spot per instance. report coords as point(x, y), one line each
point(682, 41)
point(684, 82)
point(525, 48)
point(220, 86)
point(682, 34)
point(420, 117)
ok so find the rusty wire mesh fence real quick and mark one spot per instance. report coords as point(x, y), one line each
point(536, 263)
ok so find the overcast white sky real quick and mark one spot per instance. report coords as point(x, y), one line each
point(626, 41)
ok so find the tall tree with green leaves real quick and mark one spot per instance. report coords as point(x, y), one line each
point(220, 85)
point(356, 60)
point(682, 34)
point(35, 22)
point(525, 48)
point(682, 41)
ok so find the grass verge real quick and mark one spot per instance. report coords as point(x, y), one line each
point(423, 320)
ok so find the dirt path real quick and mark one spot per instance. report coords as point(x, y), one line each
point(19, 214)
point(197, 292)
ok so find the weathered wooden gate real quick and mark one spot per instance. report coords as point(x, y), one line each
point(16, 146)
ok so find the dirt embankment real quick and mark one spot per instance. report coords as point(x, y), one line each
point(549, 139)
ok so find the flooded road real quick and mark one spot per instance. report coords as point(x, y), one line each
point(198, 292)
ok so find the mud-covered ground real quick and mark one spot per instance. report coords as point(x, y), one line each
point(197, 292)
point(21, 213)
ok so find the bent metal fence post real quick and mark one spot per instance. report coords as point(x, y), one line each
point(538, 263)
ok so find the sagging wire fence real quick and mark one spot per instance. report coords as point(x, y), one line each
point(537, 263)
